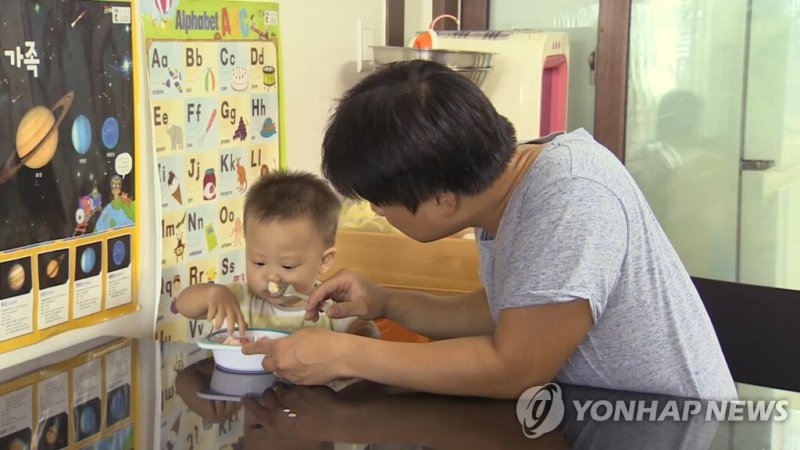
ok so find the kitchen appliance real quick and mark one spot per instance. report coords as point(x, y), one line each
point(529, 79)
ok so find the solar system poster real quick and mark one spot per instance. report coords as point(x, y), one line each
point(67, 165)
point(214, 85)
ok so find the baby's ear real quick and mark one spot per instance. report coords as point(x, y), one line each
point(327, 259)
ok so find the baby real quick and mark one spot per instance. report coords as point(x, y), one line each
point(290, 222)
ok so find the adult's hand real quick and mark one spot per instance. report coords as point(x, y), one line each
point(308, 356)
point(353, 295)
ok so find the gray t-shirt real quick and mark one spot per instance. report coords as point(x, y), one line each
point(578, 227)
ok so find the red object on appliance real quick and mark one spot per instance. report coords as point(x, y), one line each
point(553, 116)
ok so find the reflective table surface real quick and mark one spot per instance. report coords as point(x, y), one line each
point(117, 393)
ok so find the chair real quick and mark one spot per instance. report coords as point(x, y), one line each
point(758, 329)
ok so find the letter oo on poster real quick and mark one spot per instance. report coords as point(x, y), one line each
point(123, 164)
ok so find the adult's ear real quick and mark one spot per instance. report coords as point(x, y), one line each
point(327, 260)
point(448, 203)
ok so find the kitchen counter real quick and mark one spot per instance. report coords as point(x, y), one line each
point(169, 395)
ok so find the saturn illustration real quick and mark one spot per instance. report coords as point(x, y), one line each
point(37, 137)
point(54, 266)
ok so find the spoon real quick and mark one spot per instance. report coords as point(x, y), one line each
point(287, 290)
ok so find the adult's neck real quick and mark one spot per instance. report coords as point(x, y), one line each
point(486, 209)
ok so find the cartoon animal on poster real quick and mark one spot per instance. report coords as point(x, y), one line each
point(238, 232)
point(180, 248)
point(241, 175)
point(175, 137)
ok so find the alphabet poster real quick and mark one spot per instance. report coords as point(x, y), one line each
point(214, 84)
point(68, 167)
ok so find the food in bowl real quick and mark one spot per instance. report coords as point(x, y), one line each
point(227, 350)
point(236, 340)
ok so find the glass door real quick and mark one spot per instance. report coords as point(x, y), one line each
point(713, 132)
point(769, 237)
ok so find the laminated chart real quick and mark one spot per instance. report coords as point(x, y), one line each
point(69, 234)
point(214, 88)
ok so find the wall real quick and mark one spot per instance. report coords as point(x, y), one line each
point(417, 18)
point(576, 17)
point(319, 45)
point(319, 59)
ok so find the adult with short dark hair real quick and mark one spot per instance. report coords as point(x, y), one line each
point(580, 284)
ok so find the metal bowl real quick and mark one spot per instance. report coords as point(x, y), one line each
point(450, 58)
point(476, 74)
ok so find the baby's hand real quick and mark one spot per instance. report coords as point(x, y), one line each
point(224, 307)
point(233, 340)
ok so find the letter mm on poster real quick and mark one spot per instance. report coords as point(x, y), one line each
point(69, 235)
point(214, 90)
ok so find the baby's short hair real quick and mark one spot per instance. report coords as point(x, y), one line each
point(292, 195)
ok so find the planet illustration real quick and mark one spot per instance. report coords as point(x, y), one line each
point(118, 252)
point(81, 134)
point(118, 406)
point(37, 137)
point(268, 129)
point(16, 277)
point(51, 435)
point(116, 214)
point(53, 266)
point(17, 444)
point(87, 421)
point(110, 133)
point(88, 258)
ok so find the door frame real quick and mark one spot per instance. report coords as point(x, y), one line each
point(611, 70)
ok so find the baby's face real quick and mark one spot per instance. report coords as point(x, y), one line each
point(284, 251)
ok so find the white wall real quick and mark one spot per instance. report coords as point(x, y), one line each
point(417, 17)
point(319, 45)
